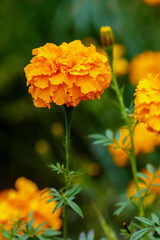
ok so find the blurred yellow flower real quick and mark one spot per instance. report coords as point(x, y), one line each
point(142, 64)
point(147, 102)
point(147, 183)
point(120, 64)
point(93, 169)
point(120, 157)
point(42, 146)
point(57, 129)
point(152, 2)
point(26, 197)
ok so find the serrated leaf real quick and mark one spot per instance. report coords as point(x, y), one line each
point(145, 220)
point(138, 234)
point(59, 204)
point(155, 219)
point(150, 168)
point(75, 207)
point(117, 136)
point(109, 134)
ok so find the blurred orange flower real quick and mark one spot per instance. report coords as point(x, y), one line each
point(67, 74)
point(120, 64)
point(152, 2)
point(147, 102)
point(147, 183)
point(142, 64)
point(120, 157)
point(26, 197)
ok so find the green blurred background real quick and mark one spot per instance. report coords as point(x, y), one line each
point(30, 138)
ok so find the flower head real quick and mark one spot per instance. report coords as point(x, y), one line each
point(142, 64)
point(67, 74)
point(147, 102)
point(140, 133)
point(26, 197)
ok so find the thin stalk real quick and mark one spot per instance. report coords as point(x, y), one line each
point(128, 123)
point(68, 120)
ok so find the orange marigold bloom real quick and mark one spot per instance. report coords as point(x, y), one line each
point(121, 158)
point(147, 102)
point(147, 183)
point(142, 64)
point(25, 198)
point(67, 74)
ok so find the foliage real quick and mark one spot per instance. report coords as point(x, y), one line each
point(25, 230)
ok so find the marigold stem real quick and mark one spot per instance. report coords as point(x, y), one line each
point(127, 121)
point(68, 119)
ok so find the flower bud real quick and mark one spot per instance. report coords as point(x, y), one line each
point(106, 36)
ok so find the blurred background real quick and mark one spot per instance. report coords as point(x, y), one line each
point(31, 138)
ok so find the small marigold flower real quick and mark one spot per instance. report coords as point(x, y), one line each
point(120, 157)
point(106, 36)
point(26, 197)
point(142, 64)
point(66, 74)
point(152, 182)
point(147, 102)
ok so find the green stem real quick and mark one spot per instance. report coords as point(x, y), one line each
point(68, 118)
point(128, 122)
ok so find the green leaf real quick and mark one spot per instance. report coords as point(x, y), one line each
point(117, 136)
point(155, 184)
point(109, 134)
point(29, 225)
point(59, 204)
point(150, 168)
point(158, 230)
point(145, 220)
point(75, 207)
point(50, 233)
point(155, 219)
point(124, 140)
point(139, 193)
point(39, 226)
point(73, 191)
point(96, 136)
point(100, 141)
point(122, 206)
point(138, 234)
point(142, 175)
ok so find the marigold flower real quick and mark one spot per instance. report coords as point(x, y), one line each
point(147, 102)
point(147, 183)
point(120, 157)
point(142, 64)
point(66, 74)
point(25, 198)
